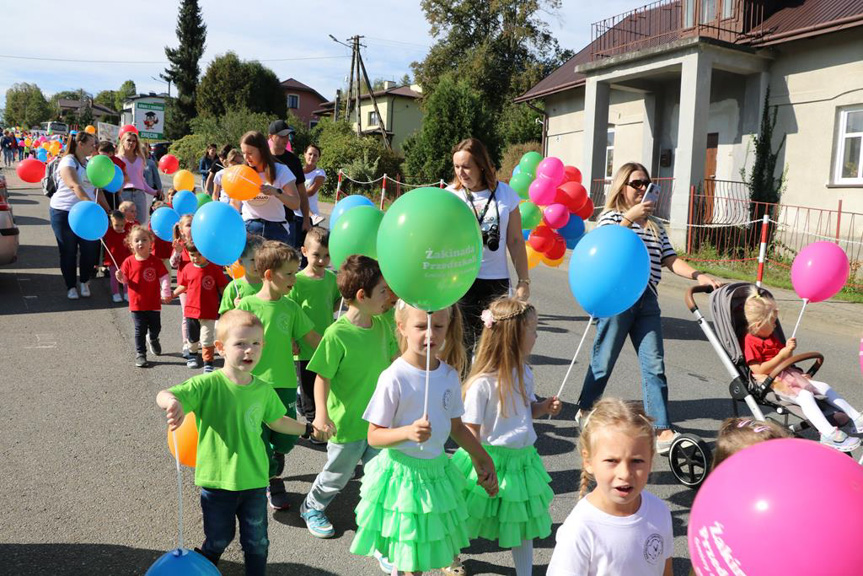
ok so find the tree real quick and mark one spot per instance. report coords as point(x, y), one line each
point(26, 106)
point(453, 112)
point(127, 90)
point(185, 68)
point(106, 98)
point(232, 84)
point(764, 187)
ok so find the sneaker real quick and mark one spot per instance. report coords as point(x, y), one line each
point(72, 294)
point(186, 353)
point(192, 361)
point(277, 496)
point(317, 523)
point(85, 289)
point(126, 296)
point(663, 446)
point(155, 346)
point(116, 298)
point(858, 424)
point(840, 440)
point(208, 367)
point(386, 565)
point(317, 442)
point(141, 361)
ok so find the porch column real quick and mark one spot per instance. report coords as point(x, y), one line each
point(649, 131)
point(596, 97)
point(691, 138)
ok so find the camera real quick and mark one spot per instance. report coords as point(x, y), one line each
point(491, 237)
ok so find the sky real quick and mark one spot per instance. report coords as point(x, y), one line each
point(103, 44)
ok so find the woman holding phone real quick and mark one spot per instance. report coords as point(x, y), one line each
point(628, 205)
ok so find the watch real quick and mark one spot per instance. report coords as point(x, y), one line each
point(525, 281)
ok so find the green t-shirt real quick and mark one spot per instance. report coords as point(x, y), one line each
point(317, 297)
point(390, 318)
point(231, 454)
point(239, 287)
point(352, 358)
point(283, 322)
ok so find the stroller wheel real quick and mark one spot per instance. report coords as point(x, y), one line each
point(689, 458)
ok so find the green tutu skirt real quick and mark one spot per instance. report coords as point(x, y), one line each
point(412, 511)
point(520, 510)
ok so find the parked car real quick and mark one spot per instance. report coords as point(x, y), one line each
point(159, 149)
point(8, 230)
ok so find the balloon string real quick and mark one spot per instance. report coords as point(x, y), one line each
point(179, 493)
point(341, 305)
point(800, 317)
point(571, 364)
point(102, 240)
point(428, 367)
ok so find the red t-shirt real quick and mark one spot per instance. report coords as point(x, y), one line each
point(142, 282)
point(129, 225)
point(162, 249)
point(758, 350)
point(115, 242)
point(204, 287)
point(119, 163)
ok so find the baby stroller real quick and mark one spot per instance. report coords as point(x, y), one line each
point(689, 460)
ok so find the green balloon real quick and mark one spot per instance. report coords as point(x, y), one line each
point(203, 198)
point(521, 184)
point(100, 171)
point(529, 162)
point(429, 248)
point(531, 215)
point(355, 232)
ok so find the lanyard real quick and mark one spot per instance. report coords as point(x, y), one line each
point(481, 217)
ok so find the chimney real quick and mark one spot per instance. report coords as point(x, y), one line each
point(389, 84)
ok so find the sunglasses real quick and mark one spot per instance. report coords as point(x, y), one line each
point(638, 184)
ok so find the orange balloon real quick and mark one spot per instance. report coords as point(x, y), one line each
point(533, 257)
point(184, 180)
point(90, 129)
point(241, 182)
point(27, 141)
point(553, 263)
point(235, 270)
point(187, 441)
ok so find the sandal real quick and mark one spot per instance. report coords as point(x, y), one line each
point(455, 569)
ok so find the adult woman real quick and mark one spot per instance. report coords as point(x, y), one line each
point(315, 178)
point(73, 187)
point(204, 165)
point(495, 206)
point(135, 188)
point(264, 214)
point(642, 323)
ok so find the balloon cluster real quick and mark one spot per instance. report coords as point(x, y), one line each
point(554, 207)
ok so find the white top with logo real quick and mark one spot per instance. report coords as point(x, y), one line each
point(269, 208)
point(482, 407)
point(493, 262)
point(593, 543)
point(64, 198)
point(398, 401)
point(313, 199)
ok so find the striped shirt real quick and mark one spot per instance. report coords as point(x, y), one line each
point(658, 248)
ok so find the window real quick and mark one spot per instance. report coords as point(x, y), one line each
point(708, 11)
point(609, 153)
point(688, 13)
point(293, 101)
point(849, 151)
point(373, 118)
point(728, 8)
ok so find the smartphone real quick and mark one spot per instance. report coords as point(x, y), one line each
point(651, 194)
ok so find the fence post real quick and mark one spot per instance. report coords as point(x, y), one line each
point(339, 185)
point(689, 226)
point(838, 220)
point(383, 190)
point(762, 251)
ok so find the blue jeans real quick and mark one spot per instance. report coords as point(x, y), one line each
point(69, 245)
point(220, 507)
point(269, 230)
point(342, 459)
point(643, 324)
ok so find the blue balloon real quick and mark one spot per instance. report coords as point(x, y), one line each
point(182, 562)
point(88, 220)
point(162, 222)
point(185, 202)
point(573, 242)
point(346, 204)
point(42, 154)
point(609, 270)
point(116, 182)
point(516, 170)
point(218, 233)
point(526, 233)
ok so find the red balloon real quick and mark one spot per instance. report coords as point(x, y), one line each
point(586, 211)
point(572, 195)
point(571, 174)
point(127, 128)
point(31, 170)
point(169, 164)
point(541, 239)
point(557, 249)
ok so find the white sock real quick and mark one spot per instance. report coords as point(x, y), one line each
point(522, 556)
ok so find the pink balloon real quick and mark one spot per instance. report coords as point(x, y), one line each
point(555, 216)
point(819, 271)
point(551, 168)
point(542, 191)
point(748, 515)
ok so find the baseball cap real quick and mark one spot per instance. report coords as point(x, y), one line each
point(280, 128)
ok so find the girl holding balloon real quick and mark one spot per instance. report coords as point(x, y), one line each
point(135, 187)
point(642, 322)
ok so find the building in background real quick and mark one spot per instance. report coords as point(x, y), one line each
point(302, 101)
point(147, 113)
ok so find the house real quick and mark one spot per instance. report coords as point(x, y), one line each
point(303, 101)
point(679, 85)
point(101, 113)
point(399, 106)
point(147, 113)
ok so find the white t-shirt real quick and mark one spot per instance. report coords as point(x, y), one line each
point(493, 263)
point(217, 181)
point(398, 401)
point(313, 199)
point(64, 198)
point(269, 208)
point(482, 407)
point(593, 543)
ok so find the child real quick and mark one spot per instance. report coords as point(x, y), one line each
point(353, 352)
point(130, 211)
point(317, 294)
point(116, 250)
point(230, 406)
point(162, 249)
point(144, 275)
point(248, 285)
point(283, 322)
point(764, 351)
point(179, 260)
point(735, 434)
point(619, 529)
point(411, 508)
point(500, 406)
point(203, 283)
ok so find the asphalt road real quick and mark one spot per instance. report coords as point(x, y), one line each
point(88, 485)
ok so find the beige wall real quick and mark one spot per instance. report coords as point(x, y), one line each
point(402, 116)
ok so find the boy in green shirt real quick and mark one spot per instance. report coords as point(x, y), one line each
point(353, 352)
point(284, 322)
point(249, 284)
point(231, 404)
point(318, 295)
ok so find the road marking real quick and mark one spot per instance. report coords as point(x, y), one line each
point(43, 341)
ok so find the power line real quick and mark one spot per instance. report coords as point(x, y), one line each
point(40, 59)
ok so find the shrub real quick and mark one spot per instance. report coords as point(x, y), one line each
point(189, 149)
point(229, 128)
point(512, 155)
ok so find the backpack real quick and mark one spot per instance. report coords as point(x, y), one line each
point(49, 181)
